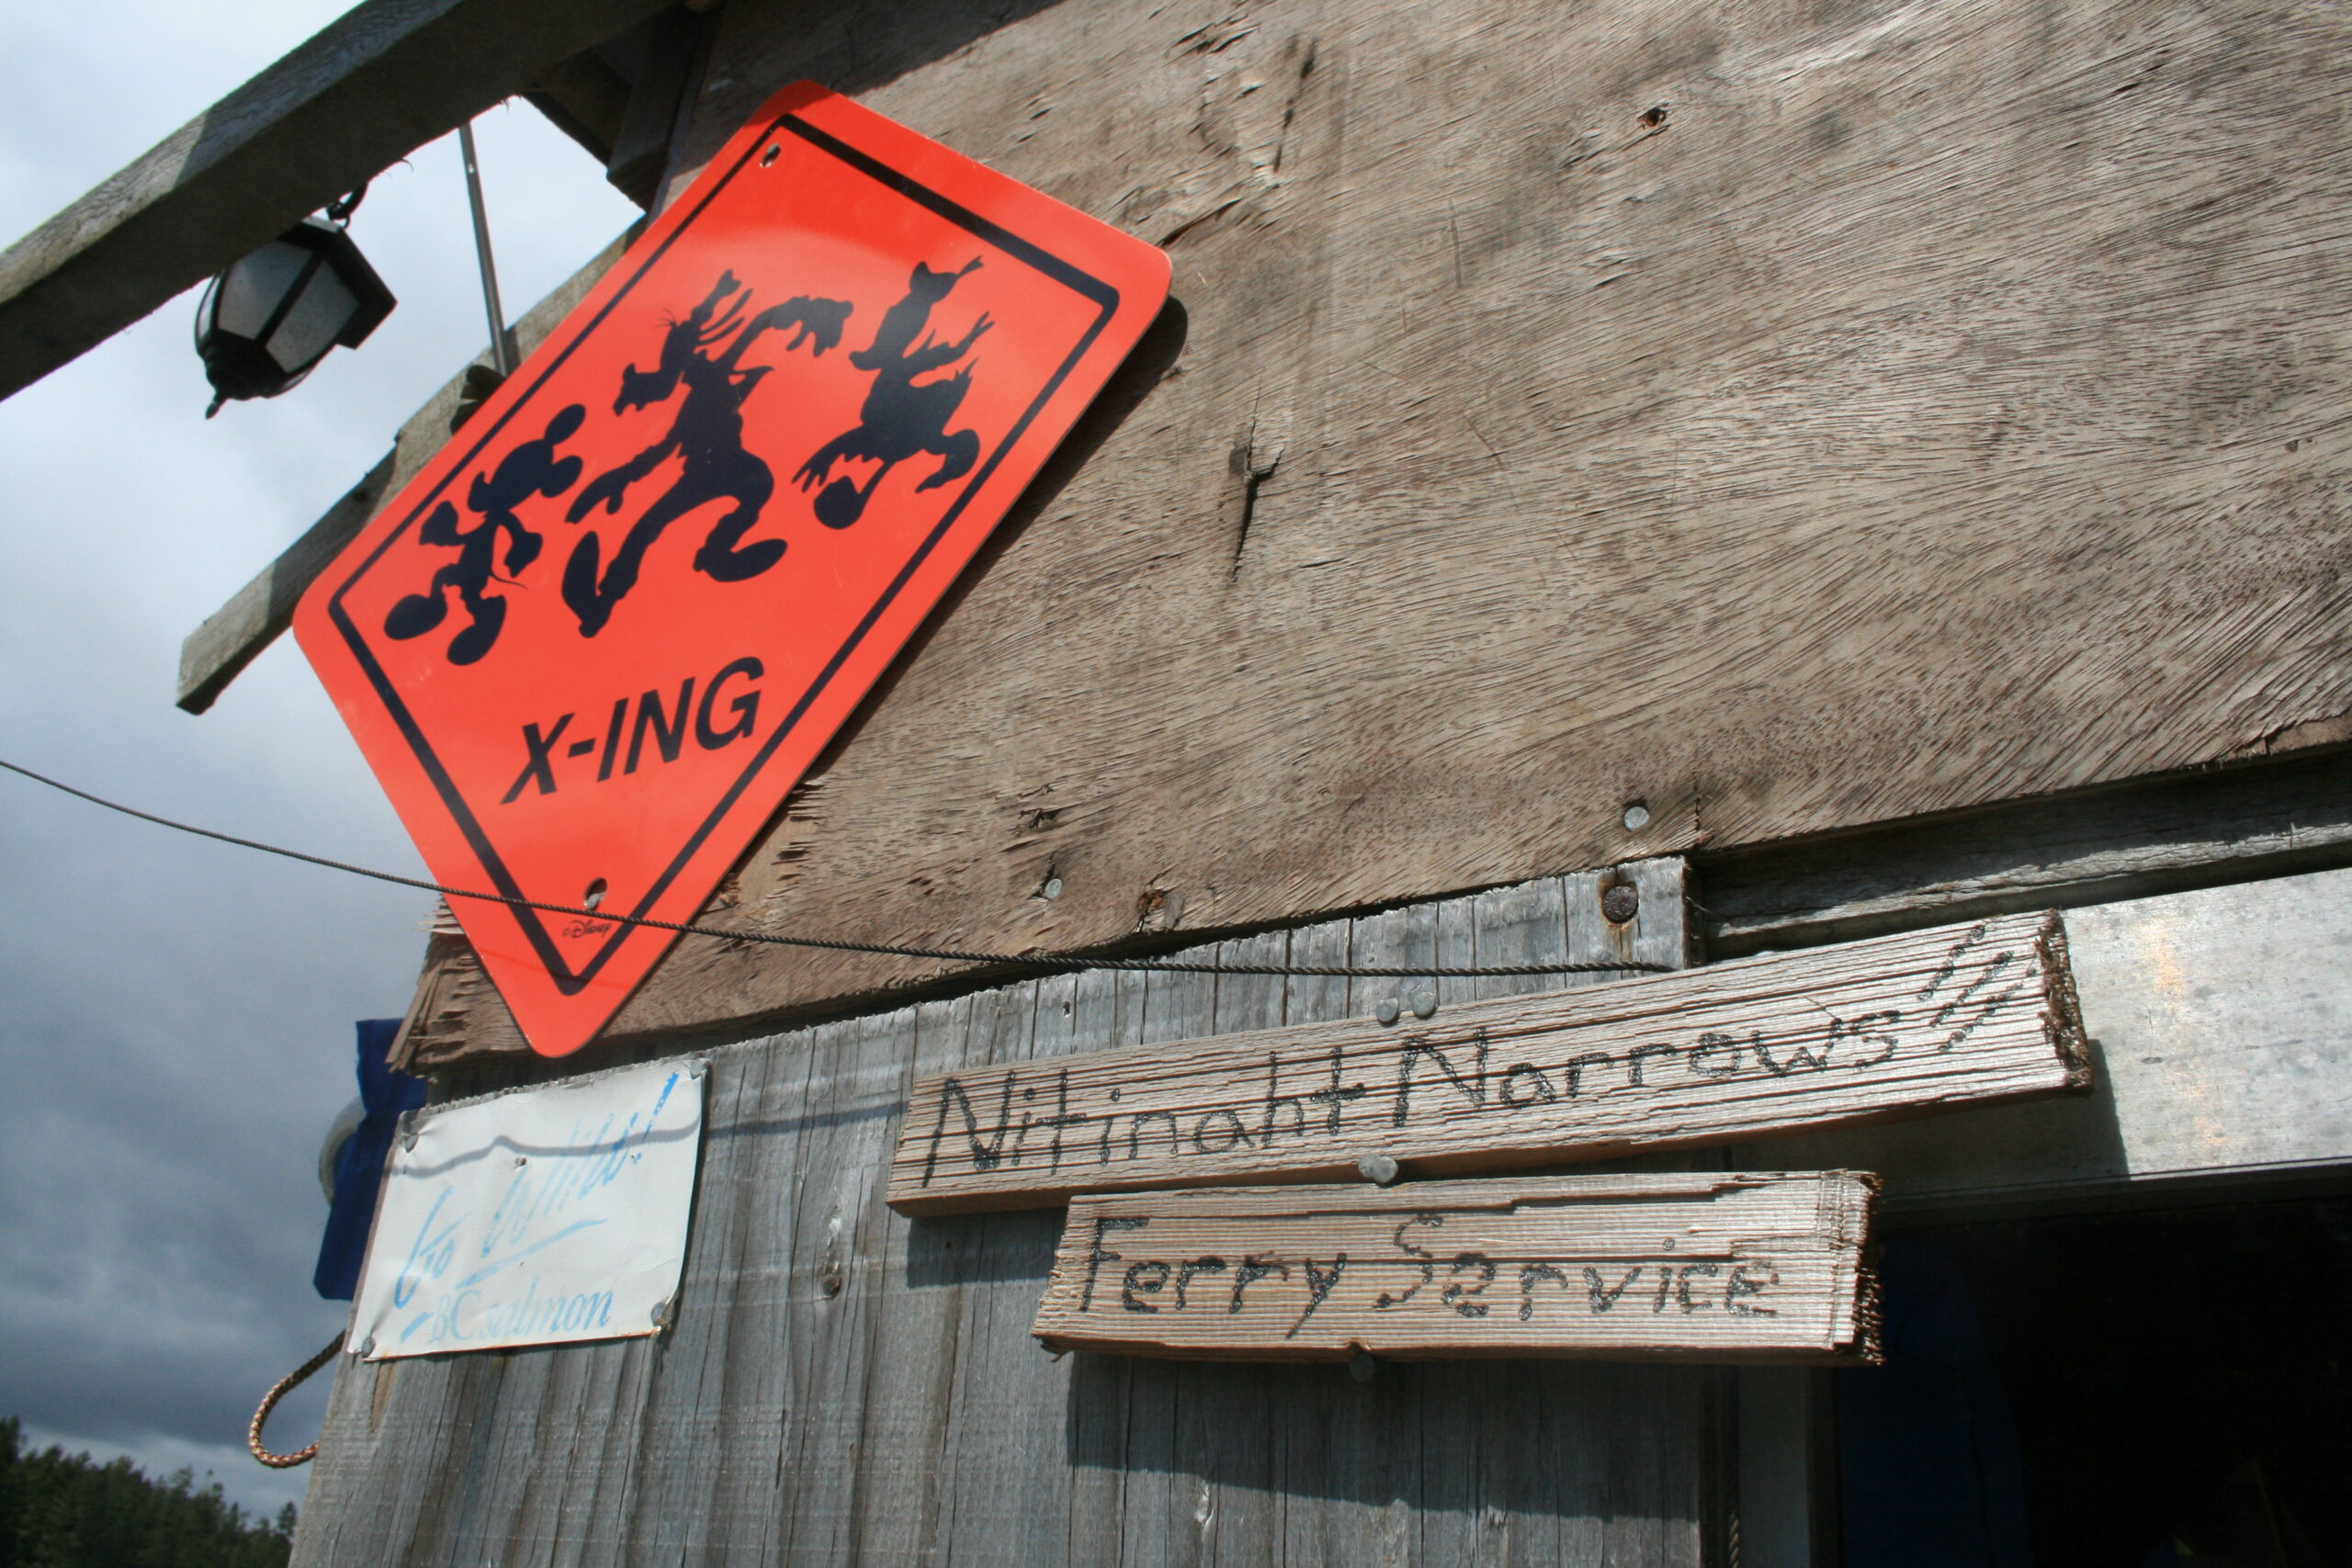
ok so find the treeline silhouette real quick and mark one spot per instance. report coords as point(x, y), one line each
point(60, 1510)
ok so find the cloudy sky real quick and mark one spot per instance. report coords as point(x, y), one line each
point(175, 1016)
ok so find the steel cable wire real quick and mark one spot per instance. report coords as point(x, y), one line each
point(1053, 962)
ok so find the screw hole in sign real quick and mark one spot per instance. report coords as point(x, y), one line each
point(595, 895)
point(770, 156)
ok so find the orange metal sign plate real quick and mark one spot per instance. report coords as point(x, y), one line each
point(596, 642)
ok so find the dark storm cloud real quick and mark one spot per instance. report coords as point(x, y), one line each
point(175, 1016)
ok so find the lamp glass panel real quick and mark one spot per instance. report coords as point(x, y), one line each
point(252, 288)
point(310, 328)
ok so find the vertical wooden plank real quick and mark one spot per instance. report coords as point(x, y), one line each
point(1170, 1508)
point(691, 1389)
point(1538, 1514)
point(1455, 1427)
point(903, 1470)
point(766, 1146)
point(1531, 1511)
point(1334, 1467)
point(840, 1288)
point(833, 1290)
point(1394, 1464)
point(1010, 1399)
point(492, 1518)
point(1225, 1436)
point(1102, 1007)
point(1659, 931)
point(1405, 937)
point(599, 1424)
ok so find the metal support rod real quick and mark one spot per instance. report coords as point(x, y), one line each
point(502, 350)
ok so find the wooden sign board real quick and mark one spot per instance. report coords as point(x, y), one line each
point(1732, 1268)
point(1858, 1032)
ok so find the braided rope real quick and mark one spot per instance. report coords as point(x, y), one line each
point(279, 1390)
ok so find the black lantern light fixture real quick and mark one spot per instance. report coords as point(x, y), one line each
point(264, 323)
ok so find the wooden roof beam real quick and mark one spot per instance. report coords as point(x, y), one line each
point(379, 82)
point(234, 634)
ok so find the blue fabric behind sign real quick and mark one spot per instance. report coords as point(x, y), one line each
point(359, 1168)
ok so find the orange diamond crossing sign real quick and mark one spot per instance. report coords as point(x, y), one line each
point(596, 642)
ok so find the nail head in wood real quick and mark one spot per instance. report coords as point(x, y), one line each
point(1379, 1169)
point(1620, 903)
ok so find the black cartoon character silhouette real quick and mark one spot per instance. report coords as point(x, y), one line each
point(707, 436)
point(531, 468)
point(899, 418)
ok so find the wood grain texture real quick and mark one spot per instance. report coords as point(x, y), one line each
point(366, 90)
point(2256, 820)
point(2219, 1021)
point(1789, 415)
point(847, 1384)
point(1865, 1032)
point(1755, 1266)
point(232, 637)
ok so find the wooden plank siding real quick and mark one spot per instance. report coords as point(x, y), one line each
point(845, 1384)
point(848, 1384)
point(1787, 417)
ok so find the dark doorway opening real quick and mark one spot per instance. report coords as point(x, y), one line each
point(2143, 1390)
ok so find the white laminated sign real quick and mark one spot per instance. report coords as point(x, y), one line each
point(540, 1217)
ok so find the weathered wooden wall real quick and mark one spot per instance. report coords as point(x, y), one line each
point(845, 1385)
point(1787, 416)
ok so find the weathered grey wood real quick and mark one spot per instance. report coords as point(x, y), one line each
point(1103, 1012)
point(584, 97)
point(909, 1416)
point(2253, 820)
point(1225, 1414)
point(2220, 1021)
point(1753, 1266)
point(1858, 1033)
point(1168, 1505)
point(217, 651)
point(366, 90)
point(642, 142)
point(1006, 1505)
point(232, 637)
point(1934, 407)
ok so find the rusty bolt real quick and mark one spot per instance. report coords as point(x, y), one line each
point(1620, 903)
